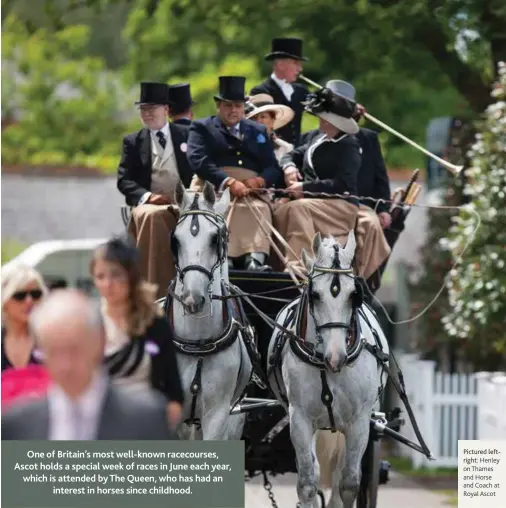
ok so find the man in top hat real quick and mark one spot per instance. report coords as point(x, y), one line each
point(232, 152)
point(330, 163)
point(152, 163)
point(180, 104)
point(286, 57)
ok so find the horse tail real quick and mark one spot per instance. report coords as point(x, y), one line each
point(329, 449)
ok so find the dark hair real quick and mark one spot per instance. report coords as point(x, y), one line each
point(121, 250)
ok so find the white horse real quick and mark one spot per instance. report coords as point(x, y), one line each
point(332, 357)
point(215, 367)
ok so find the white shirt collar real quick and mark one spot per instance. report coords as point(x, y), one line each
point(164, 129)
point(286, 87)
point(90, 404)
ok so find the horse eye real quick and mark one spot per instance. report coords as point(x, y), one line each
point(214, 239)
point(315, 296)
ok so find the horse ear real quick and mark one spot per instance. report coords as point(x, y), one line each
point(180, 195)
point(306, 259)
point(223, 203)
point(209, 194)
point(350, 244)
point(317, 241)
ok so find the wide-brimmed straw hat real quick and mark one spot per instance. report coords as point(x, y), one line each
point(341, 113)
point(262, 103)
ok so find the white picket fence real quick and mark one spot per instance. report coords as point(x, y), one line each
point(449, 407)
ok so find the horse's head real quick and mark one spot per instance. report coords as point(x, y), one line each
point(199, 243)
point(332, 295)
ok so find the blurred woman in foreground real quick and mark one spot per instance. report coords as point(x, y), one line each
point(22, 289)
point(139, 348)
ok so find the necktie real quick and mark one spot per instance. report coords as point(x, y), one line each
point(235, 131)
point(161, 139)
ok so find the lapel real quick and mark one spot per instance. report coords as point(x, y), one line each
point(178, 140)
point(40, 429)
point(218, 124)
point(107, 426)
point(145, 149)
point(278, 94)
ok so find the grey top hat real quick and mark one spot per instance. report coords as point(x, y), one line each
point(336, 115)
point(342, 88)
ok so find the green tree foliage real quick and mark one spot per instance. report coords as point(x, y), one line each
point(72, 110)
point(436, 260)
point(477, 288)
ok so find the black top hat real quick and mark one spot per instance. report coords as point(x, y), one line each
point(286, 47)
point(231, 89)
point(154, 93)
point(180, 97)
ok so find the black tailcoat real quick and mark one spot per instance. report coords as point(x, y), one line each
point(135, 167)
point(291, 131)
point(183, 121)
point(373, 178)
point(211, 146)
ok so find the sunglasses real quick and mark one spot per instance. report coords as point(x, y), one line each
point(21, 295)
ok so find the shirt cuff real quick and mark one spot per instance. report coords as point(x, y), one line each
point(289, 165)
point(144, 198)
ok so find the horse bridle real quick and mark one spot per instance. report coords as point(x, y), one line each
point(335, 288)
point(217, 220)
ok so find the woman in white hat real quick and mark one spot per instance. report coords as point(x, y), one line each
point(261, 109)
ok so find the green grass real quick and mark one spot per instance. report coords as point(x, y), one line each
point(403, 465)
point(10, 249)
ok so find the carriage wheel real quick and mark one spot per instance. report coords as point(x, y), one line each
point(368, 491)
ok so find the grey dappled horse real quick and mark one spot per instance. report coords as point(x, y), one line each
point(330, 307)
point(204, 325)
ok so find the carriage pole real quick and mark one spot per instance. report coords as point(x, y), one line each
point(452, 167)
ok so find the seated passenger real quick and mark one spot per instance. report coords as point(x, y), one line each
point(230, 151)
point(373, 183)
point(261, 109)
point(152, 163)
point(330, 163)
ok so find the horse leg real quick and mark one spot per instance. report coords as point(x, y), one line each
point(301, 434)
point(236, 426)
point(335, 500)
point(216, 423)
point(357, 436)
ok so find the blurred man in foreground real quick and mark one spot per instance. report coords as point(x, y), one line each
point(81, 403)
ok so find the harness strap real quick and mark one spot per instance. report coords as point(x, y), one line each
point(327, 399)
point(195, 387)
point(400, 389)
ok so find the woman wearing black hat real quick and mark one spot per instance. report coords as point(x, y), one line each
point(286, 57)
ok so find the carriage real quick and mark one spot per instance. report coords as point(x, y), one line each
point(260, 298)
